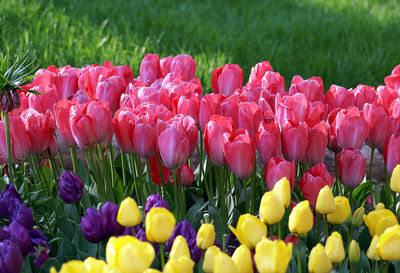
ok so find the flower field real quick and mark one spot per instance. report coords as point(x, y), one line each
point(163, 177)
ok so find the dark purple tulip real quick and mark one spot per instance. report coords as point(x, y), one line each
point(41, 258)
point(39, 240)
point(10, 190)
point(195, 252)
point(141, 235)
point(20, 236)
point(231, 243)
point(70, 187)
point(185, 229)
point(23, 215)
point(10, 257)
point(154, 200)
point(128, 231)
point(108, 219)
point(9, 199)
point(91, 226)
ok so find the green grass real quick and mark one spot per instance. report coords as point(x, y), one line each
point(344, 42)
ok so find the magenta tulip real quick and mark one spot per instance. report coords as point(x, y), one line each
point(317, 143)
point(386, 96)
point(380, 126)
point(258, 71)
point(145, 136)
point(268, 142)
point(184, 64)
point(391, 153)
point(150, 68)
point(111, 90)
point(294, 140)
point(273, 82)
point(351, 128)
point(61, 111)
point(351, 167)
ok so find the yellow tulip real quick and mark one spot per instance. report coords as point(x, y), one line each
point(388, 245)
point(249, 230)
point(272, 256)
point(301, 219)
point(354, 252)
point(242, 259)
point(160, 223)
point(342, 211)
point(72, 266)
point(205, 236)
point(371, 254)
point(357, 218)
point(395, 179)
point(378, 220)
point(325, 201)
point(379, 206)
point(182, 265)
point(224, 264)
point(209, 258)
point(318, 262)
point(334, 248)
point(125, 251)
point(152, 270)
point(128, 213)
point(282, 191)
point(271, 209)
point(93, 265)
point(179, 248)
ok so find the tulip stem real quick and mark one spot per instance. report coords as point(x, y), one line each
point(210, 199)
point(271, 231)
point(387, 189)
point(61, 158)
point(371, 160)
point(134, 171)
point(299, 268)
point(74, 159)
point(280, 230)
point(177, 202)
point(8, 143)
point(318, 228)
point(112, 166)
point(253, 186)
point(162, 257)
point(54, 167)
point(163, 193)
point(183, 197)
point(123, 164)
point(326, 227)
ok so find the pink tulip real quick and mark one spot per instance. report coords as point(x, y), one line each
point(155, 171)
point(268, 142)
point(393, 81)
point(184, 64)
point(230, 108)
point(145, 136)
point(91, 124)
point(210, 105)
point(339, 97)
point(226, 79)
point(129, 100)
point(313, 180)
point(67, 84)
point(364, 94)
point(386, 96)
point(351, 167)
point(51, 149)
point(278, 168)
point(273, 82)
point(178, 88)
point(150, 68)
point(80, 97)
point(294, 140)
point(189, 126)
point(312, 88)
point(333, 144)
point(380, 126)
point(165, 65)
point(239, 152)
point(61, 111)
point(351, 128)
point(317, 143)
point(155, 112)
point(186, 175)
point(391, 154)
point(249, 117)
point(45, 77)
point(123, 71)
point(18, 138)
point(44, 102)
point(258, 71)
point(268, 97)
point(293, 107)
point(394, 109)
point(111, 90)
point(89, 78)
point(149, 94)
point(213, 132)
point(188, 105)
point(317, 112)
point(124, 126)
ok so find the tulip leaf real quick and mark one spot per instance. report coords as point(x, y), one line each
point(361, 193)
point(45, 268)
point(195, 213)
point(26, 265)
point(220, 228)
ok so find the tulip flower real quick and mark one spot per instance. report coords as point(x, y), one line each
point(354, 252)
point(312, 88)
point(18, 139)
point(187, 105)
point(282, 191)
point(224, 264)
point(242, 259)
point(301, 218)
point(19, 235)
point(144, 136)
point(110, 90)
point(325, 201)
point(72, 266)
point(277, 169)
point(268, 142)
point(338, 97)
point(249, 230)
point(150, 68)
point(371, 252)
point(183, 264)
point(43, 103)
point(317, 143)
point(393, 81)
point(154, 200)
point(91, 226)
point(89, 78)
point(184, 64)
point(239, 152)
point(10, 258)
point(125, 251)
point(334, 248)
point(249, 117)
point(313, 180)
point(155, 174)
point(152, 270)
point(70, 187)
point(387, 246)
point(385, 96)
point(380, 126)
point(61, 112)
point(351, 128)
point(351, 167)
point(342, 211)
point(93, 265)
point(333, 144)
point(273, 82)
point(364, 94)
point(213, 132)
point(210, 105)
point(230, 108)
point(209, 259)
point(258, 71)
point(379, 220)
point(290, 108)
point(294, 140)
point(271, 209)
point(159, 224)
point(357, 218)
point(317, 112)
point(318, 262)
point(179, 248)
point(391, 154)
point(379, 206)
point(226, 79)
point(272, 256)
point(395, 179)
point(128, 213)
point(108, 220)
point(205, 236)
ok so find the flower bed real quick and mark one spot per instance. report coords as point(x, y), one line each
point(165, 177)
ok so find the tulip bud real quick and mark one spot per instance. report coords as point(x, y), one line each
point(301, 219)
point(209, 258)
point(334, 248)
point(271, 210)
point(325, 201)
point(357, 218)
point(159, 223)
point(354, 252)
point(378, 220)
point(205, 236)
point(272, 256)
point(387, 247)
point(70, 187)
point(179, 248)
point(395, 179)
point(371, 254)
point(249, 230)
point(224, 264)
point(318, 260)
point(379, 206)
point(282, 191)
point(183, 264)
point(242, 259)
point(128, 213)
point(342, 211)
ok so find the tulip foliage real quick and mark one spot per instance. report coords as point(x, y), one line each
point(150, 173)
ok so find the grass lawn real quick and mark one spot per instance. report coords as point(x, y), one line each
point(344, 42)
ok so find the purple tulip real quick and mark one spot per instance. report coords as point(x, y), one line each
point(185, 229)
point(91, 226)
point(154, 200)
point(23, 216)
point(20, 236)
point(39, 240)
point(108, 219)
point(41, 258)
point(10, 257)
point(231, 243)
point(141, 235)
point(70, 187)
point(10, 190)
